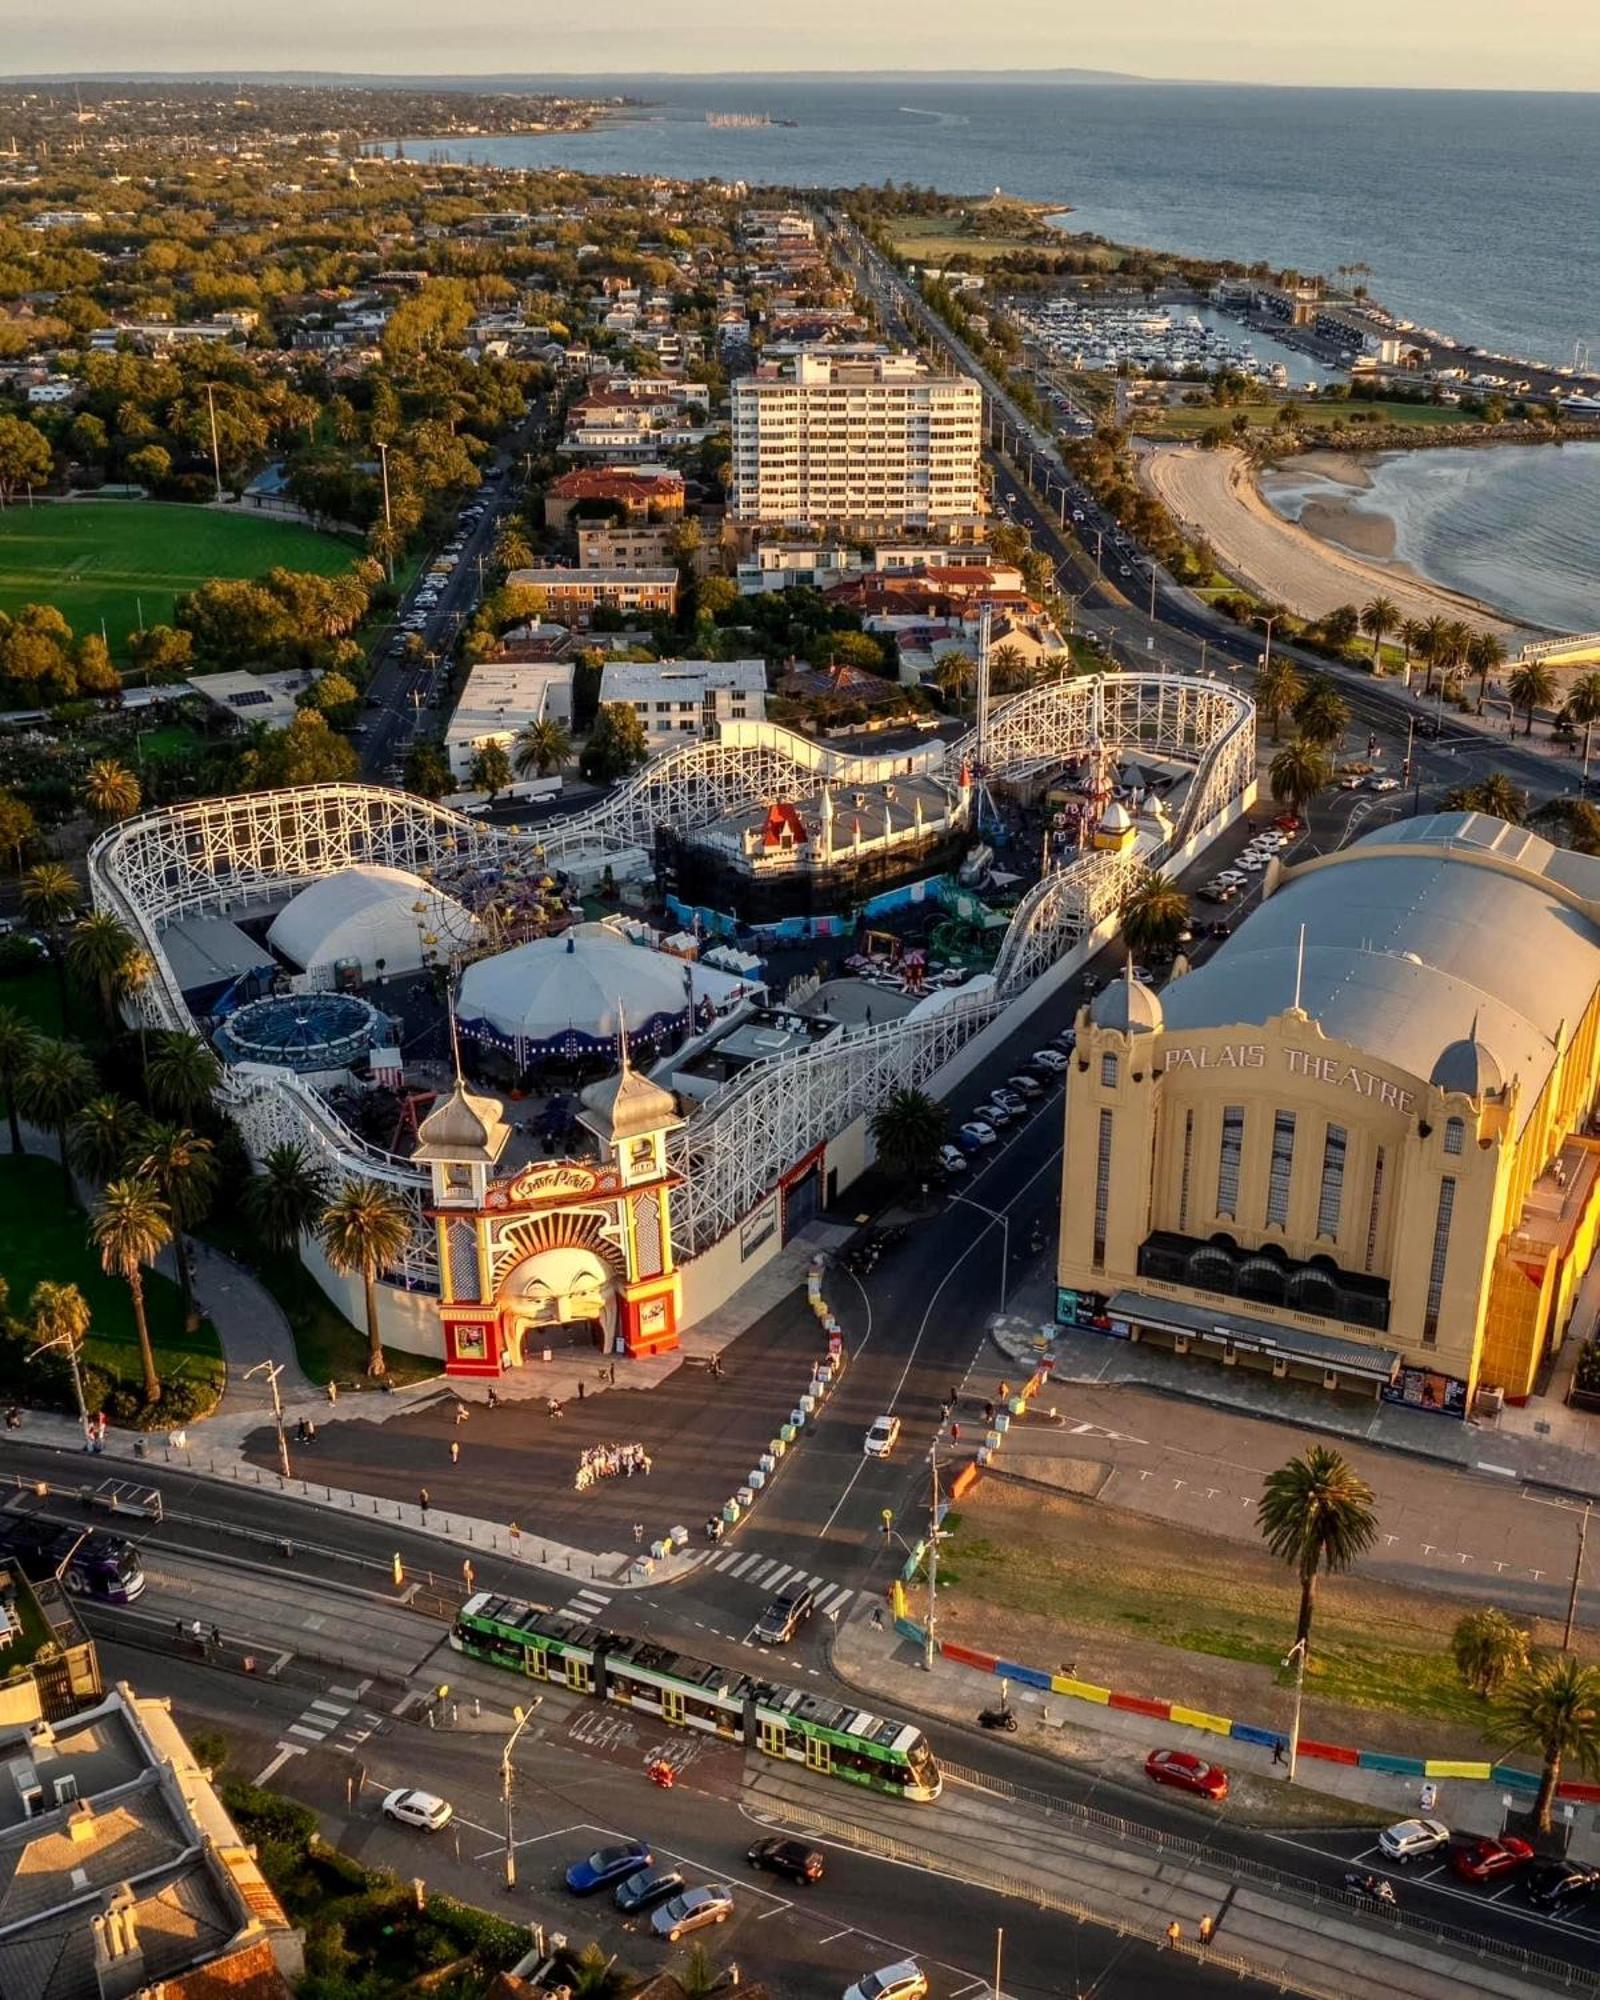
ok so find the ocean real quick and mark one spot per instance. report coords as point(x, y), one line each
point(1513, 526)
point(1474, 211)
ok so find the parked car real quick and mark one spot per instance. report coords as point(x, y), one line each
point(1052, 1061)
point(882, 1438)
point(712, 1903)
point(1490, 1859)
point(645, 1889)
point(994, 1112)
point(785, 1615)
point(1068, 1037)
point(905, 1981)
point(1013, 1100)
point(1187, 1773)
point(952, 1160)
point(1557, 1885)
point(791, 1859)
point(1410, 1838)
point(423, 1810)
point(607, 1865)
point(975, 1135)
point(1024, 1085)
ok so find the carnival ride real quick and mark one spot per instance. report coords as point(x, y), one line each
point(233, 856)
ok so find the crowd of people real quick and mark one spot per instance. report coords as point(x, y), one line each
point(611, 1461)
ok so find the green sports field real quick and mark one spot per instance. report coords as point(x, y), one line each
point(113, 559)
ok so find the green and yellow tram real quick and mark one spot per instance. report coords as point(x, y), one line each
point(832, 1738)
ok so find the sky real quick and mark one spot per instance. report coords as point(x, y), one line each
point(1456, 44)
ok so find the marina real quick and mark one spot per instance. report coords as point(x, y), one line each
point(1176, 341)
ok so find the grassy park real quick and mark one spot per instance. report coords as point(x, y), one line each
point(1157, 1609)
point(1193, 420)
point(115, 561)
point(41, 1238)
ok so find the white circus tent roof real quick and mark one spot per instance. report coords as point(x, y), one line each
point(366, 914)
point(579, 982)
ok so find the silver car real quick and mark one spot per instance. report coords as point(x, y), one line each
point(712, 1903)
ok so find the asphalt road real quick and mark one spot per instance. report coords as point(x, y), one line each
point(579, 1786)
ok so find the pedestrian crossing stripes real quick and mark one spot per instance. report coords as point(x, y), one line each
point(769, 1574)
point(587, 1605)
point(327, 1717)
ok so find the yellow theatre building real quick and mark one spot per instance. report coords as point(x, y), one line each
point(1354, 1147)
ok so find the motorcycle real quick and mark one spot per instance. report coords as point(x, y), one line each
point(13, 1418)
point(997, 1718)
point(661, 1773)
point(1371, 1888)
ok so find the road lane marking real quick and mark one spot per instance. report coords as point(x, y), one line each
point(285, 1752)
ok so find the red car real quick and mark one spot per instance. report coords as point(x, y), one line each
point(1187, 1773)
point(1487, 1860)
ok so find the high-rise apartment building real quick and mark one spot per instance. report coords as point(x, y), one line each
point(873, 442)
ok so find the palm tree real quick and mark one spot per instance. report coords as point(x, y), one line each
point(182, 1167)
point(698, 1974)
point(49, 897)
point(363, 1228)
point(110, 790)
point(908, 1129)
point(1155, 915)
point(594, 1974)
point(59, 1313)
point(183, 1074)
point(285, 1199)
point(544, 746)
point(1316, 1514)
point(1278, 690)
point(1322, 715)
point(1583, 708)
point(1486, 1646)
point(98, 951)
point(1298, 773)
point(1430, 644)
point(1495, 795)
point(137, 974)
point(101, 1137)
point(1552, 1707)
point(1411, 639)
point(131, 1228)
point(1484, 654)
point(1532, 685)
point(57, 1082)
point(1379, 615)
point(954, 673)
point(17, 1040)
point(1455, 641)
point(1007, 667)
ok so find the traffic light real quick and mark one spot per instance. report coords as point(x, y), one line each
point(887, 1518)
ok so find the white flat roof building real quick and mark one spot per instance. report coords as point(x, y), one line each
point(865, 441)
point(679, 701)
point(500, 699)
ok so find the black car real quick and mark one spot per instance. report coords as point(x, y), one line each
point(647, 1888)
point(785, 1615)
point(1557, 1885)
point(789, 1858)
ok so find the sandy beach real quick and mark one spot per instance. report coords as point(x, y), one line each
point(1214, 494)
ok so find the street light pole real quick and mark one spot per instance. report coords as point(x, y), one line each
point(523, 1717)
point(1297, 1653)
point(1004, 1220)
point(1577, 1578)
point(388, 517)
point(65, 1340)
point(929, 1643)
point(272, 1370)
point(1266, 657)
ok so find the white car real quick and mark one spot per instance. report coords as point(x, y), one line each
point(1410, 1838)
point(905, 1981)
point(882, 1438)
point(1050, 1059)
point(952, 1160)
point(1386, 784)
point(420, 1809)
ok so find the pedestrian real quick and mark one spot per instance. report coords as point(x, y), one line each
point(988, 1413)
point(422, 1500)
point(580, 1388)
point(494, 1397)
point(214, 1642)
point(955, 1434)
point(553, 1406)
point(613, 1374)
point(1208, 1924)
point(1174, 1934)
point(455, 1452)
point(462, 1413)
point(944, 1414)
point(333, 1392)
point(1279, 1748)
point(877, 1618)
point(955, 1397)
point(178, 1630)
point(638, 1531)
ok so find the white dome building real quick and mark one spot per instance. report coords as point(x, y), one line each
point(373, 918)
point(565, 995)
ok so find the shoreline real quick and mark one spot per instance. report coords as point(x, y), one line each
point(1215, 495)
